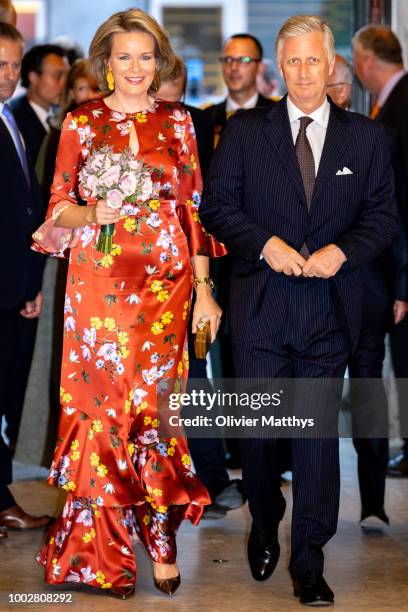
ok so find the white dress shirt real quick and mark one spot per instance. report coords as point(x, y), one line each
point(41, 113)
point(232, 106)
point(315, 132)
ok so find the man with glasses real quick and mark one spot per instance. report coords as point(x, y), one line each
point(339, 84)
point(43, 73)
point(241, 62)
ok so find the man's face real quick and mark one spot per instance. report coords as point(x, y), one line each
point(338, 89)
point(362, 62)
point(47, 86)
point(240, 77)
point(304, 65)
point(11, 54)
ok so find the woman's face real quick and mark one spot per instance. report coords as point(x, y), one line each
point(85, 89)
point(132, 62)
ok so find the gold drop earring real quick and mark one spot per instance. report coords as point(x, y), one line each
point(110, 79)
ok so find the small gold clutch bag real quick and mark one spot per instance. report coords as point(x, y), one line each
point(202, 340)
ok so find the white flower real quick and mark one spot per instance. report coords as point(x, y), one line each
point(108, 488)
point(78, 297)
point(87, 574)
point(150, 376)
point(164, 239)
point(154, 358)
point(73, 577)
point(163, 257)
point(69, 324)
point(86, 352)
point(111, 412)
point(97, 112)
point(68, 410)
point(89, 336)
point(56, 569)
point(99, 501)
point(147, 345)
point(85, 517)
point(64, 462)
point(150, 269)
point(125, 550)
point(161, 137)
point(117, 116)
point(108, 351)
point(179, 265)
point(87, 235)
point(178, 115)
point(138, 395)
point(99, 364)
point(122, 465)
point(67, 305)
point(73, 356)
point(154, 220)
point(85, 134)
point(124, 128)
point(149, 437)
point(120, 369)
point(133, 298)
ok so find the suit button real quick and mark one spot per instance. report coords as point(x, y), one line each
point(29, 211)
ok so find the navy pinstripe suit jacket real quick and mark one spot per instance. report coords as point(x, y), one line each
point(254, 190)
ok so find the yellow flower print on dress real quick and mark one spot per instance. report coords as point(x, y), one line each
point(154, 204)
point(96, 322)
point(116, 250)
point(94, 458)
point(123, 352)
point(171, 451)
point(141, 118)
point(163, 295)
point(83, 119)
point(193, 161)
point(107, 261)
point(102, 470)
point(75, 455)
point(167, 317)
point(157, 328)
point(129, 224)
point(185, 310)
point(156, 286)
point(109, 323)
point(65, 397)
point(186, 460)
point(123, 337)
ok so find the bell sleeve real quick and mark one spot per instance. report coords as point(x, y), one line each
point(48, 238)
point(189, 193)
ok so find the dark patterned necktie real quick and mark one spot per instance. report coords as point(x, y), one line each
point(306, 160)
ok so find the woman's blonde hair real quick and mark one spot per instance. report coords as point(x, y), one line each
point(305, 24)
point(133, 20)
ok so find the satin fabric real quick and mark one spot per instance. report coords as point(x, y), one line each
point(125, 328)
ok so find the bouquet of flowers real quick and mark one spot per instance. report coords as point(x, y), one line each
point(117, 178)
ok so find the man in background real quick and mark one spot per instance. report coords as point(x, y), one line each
point(21, 298)
point(385, 281)
point(43, 72)
point(340, 82)
point(379, 66)
point(8, 12)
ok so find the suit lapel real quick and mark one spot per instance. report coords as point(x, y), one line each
point(277, 131)
point(338, 138)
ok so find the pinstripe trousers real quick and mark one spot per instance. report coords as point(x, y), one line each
point(311, 344)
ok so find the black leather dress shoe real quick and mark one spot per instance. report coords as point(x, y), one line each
point(398, 466)
point(312, 589)
point(263, 553)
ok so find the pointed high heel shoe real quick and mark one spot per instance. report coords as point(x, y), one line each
point(122, 592)
point(168, 586)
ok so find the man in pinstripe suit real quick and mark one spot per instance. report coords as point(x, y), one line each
point(301, 193)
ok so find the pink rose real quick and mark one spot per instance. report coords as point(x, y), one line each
point(114, 198)
point(146, 191)
point(91, 184)
point(97, 162)
point(111, 176)
point(127, 184)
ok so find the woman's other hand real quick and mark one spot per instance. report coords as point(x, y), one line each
point(206, 308)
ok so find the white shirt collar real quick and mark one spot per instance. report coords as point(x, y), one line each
point(232, 106)
point(41, 113)
point(320, 115)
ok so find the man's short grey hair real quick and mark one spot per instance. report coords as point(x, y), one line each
point(305, 24)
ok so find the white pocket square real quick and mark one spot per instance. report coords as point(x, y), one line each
point(344, 171)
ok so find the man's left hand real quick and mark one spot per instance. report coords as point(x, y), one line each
point(32, 309)
point(400, 310)
point(325, 262)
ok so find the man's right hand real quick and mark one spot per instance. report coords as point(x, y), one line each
point(282, 258)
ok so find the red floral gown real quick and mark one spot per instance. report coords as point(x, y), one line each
point(125, 328)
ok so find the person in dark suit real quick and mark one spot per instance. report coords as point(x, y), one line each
point(241, 63)
point(43, 72)
point(385, 281)
point(302, 195)
point(379, 66)
point(21, 298)
point(207, 453)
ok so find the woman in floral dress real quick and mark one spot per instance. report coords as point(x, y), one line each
point(125, 322)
